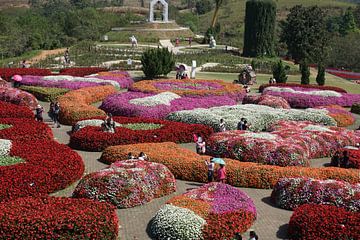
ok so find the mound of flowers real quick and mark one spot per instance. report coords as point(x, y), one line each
point(81, 72)
point(127, 184)
point(45, 93)
point(9, 110)
point(136, 130)
point(204, 213)
point(187, 165)
point(355, 108)
point(310, 97)
point(297, 86)
point(187, 87)
point(344, 74)
point(259, 117)
point(288, 143)
point(7, 73)
point(18, 129)
point(267, 100)
point(290, 193)
point(342, 116)
point(57, 218)
point(138, 104)
point(18, 97)
point(354, 157)
point(319, 222)
point(75, 105)
point(44, 167)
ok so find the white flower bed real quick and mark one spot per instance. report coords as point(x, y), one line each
point(259, 117)
point(317, 128)
point(5, 147)
point(323, 93)
point(263, 135)
point(174, 223)
point(90, 122)
point(80, 79)
point(151, 101)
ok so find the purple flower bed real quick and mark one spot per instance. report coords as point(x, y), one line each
point(298, 100)
point(186, 86)
point(118, 104)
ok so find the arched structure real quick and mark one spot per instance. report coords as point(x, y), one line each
point(165, 10)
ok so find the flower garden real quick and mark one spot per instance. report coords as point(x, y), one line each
point(291, 128)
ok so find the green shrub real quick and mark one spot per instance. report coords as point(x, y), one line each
point(320, 78)
point(279, 72)
point(355, 108)
point(203, 6)
point(305, 73)
point(157, 62)
point(45, 93)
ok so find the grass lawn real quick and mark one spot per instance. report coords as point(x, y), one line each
point(4, 62)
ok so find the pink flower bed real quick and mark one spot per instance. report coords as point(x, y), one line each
point(344, 74)
point(288, 143)
point(119, 105)
point(267, 100)
point(18, 97)
point(296, 85)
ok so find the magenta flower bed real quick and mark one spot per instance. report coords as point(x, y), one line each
point(118, 104)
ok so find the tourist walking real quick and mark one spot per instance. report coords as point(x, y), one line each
point(211, 167)
point(56, 114)
point(221, 173)
point(200, 146)
point(109, 124)
point(67, 56)
point(222, 127)
point(38, 113)
point(190, 41)
point(51, 111)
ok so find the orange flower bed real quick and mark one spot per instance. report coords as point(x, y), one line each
point(190, 87)
point(342, 116)
point(75, 105)
point(188, 165)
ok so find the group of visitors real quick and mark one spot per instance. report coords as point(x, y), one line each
point(243, 124)
point(221, 172)
point(340, 160)
point(109, 124)
point(272, 80)
point(142, 156)
point(54, 112)
point(253, 236)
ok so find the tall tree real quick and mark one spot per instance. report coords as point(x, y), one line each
point(218, 4)
point(304, 32)
point(259, 28)
point(348, 23)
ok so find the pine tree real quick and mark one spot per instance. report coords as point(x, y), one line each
point(348, 23)
point(279, 72)
point(157, 62)
point(320, 78)
point(305, 72)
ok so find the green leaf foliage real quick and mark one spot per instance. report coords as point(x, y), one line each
point(157, 62)
point(279, 72)
point(320, 78)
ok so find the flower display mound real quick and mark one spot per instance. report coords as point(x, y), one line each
point(81, 72)
point(290, 193)
point(187, 87)
point(127, 184)
point(310, 97)
point(188, 165)
point(267, 100)
point(45, 167)
point(9, 110)
point(18, 97)
point(355, 108)
point(343, 117)
point(354, 157)
point(287, 143)
point(123, 78)
point(318, 222)
point(57, 218)
point(303, 86)
point(75, 105)
point(138, 104)
point(136, 130)
point(259, 117)
point(7, 73)
point(19, 129)
point(204, 213)
point(46, 94)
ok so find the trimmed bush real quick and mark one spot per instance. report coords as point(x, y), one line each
point(44, 93)
point(157, 62)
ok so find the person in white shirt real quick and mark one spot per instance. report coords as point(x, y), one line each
point(222, 126)
point(211, 166)
point(143, 156)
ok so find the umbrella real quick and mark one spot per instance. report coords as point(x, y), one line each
point(219, 161)
point(17, 78)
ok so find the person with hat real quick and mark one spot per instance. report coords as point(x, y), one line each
point(38, 113)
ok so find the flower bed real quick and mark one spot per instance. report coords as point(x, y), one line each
point(303, 86)
point(127, 184)
point(259, 117)
point(9, 110)
point(267, 100)
point(81, 72)
point(288, 143)
point(75, 105)
point(7, 73)
point(344, 74)
point(188, 87)
point(290, 193)
point(307, 97)
point(204, 213)
point(354, 157)
point(136, 130)
point(45, 93)
point(19, 129)
point(319, 222)
point(189, 166)
point(154, 106)
point(342, 116)
point(355, 108)
point(49, 167)
point(57, 218)
point(18, 97)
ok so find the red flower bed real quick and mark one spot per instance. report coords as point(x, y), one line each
point(49, 166)
point(95, 139)
point(57, 218)
point(81, 72)
point(7, 73)
point(25, 129)
point(291, 85)
point(354, 157)
point(9, 110)
point(344, 74)
point(320, 222)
